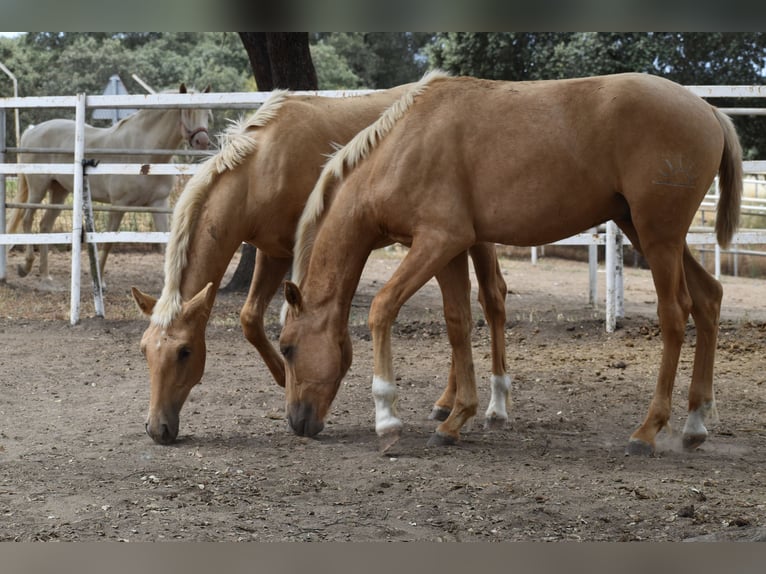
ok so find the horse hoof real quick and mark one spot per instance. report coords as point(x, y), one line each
point(639, 448)
point(439, 439)
point(495, 423)
point(439, 414)
point(388, 439)
point(22, 271)
point(693, 441)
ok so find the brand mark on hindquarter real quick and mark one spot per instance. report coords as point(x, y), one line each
point(677, 174)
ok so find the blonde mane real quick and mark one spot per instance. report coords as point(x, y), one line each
point(236, 143)
point(343, 160)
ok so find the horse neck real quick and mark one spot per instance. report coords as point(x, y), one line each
point(337, 260)
point(155, 128)
point(220, 227)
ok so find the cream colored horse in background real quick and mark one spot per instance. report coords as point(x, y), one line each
point(461, 160)
point(254, 190)
point(149, 128)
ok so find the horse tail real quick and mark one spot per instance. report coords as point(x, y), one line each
point(22, 196)
point(729, 182)
point(343, 160)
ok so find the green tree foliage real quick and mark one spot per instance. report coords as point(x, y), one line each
point(61, 63)
point(374, 60)
point(70, 63)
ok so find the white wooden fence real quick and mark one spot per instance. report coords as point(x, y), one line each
point(610, 236)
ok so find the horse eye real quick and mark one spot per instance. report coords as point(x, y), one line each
point(287, 351)
point(183, 353)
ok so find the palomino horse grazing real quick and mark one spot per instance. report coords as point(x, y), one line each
point(462, 160)
point(254, 190)
point(159, 129)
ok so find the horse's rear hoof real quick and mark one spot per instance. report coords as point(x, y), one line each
point(693, 441)
point(388, 439)
point(21, 270)
point(439, 414)
point(639, 448)
point(440, 439)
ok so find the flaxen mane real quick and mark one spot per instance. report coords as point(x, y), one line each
point(343, 160)
point(236, 143)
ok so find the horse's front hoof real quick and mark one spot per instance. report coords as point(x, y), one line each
point(439, 414)
point(387, 440)
point(693, 441)
point(439, 439)
point(21, 270)
point(495, 423)
point(639, 448)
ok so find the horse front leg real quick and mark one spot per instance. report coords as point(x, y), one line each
point(23, 269)
point(422, 261)
point(706, 294)
point(115, 219)
point(268, 275)
point(58, 196)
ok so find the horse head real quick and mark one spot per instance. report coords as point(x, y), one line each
point(175, 355)
point(316, 360)
point(194, 123)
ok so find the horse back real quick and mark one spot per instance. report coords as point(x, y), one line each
point(566, 154)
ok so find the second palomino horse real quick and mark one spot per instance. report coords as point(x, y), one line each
point(254, 189)
point(462, 160)
point(150, 128)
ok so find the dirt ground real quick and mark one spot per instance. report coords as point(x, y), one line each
point(75, 463)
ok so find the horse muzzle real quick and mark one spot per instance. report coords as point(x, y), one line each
point(162, 431)
point(303, 421)
point(199, 139)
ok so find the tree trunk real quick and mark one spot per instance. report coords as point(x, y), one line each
point(279, 60)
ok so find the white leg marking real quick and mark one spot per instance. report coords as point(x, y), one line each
point(695, 424)
point(500, 386)
point(384, 395)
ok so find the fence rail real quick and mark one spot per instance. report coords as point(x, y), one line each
point(609, 236)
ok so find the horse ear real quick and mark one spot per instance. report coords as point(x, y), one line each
point(201, 303)
point(293, 297)
point(145, 302)
point(182, 89)
point(206, 90)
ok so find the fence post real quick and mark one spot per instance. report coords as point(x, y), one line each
point(3, 248)
point(611, 282)
point(79, 155)
point(593, 270)
point(619, 271)
point(95, 272)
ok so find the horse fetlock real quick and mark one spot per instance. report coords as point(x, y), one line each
point(493, 421)
point(638, 447)
point(23, 270)
point(387, 439)
point(439, 413)
point(442, 439)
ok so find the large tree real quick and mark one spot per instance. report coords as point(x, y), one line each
point(280, 60)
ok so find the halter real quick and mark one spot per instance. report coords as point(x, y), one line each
point(189, 134)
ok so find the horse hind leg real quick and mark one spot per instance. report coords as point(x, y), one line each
point(674, 304)
point(492, 293)
point(706, 294)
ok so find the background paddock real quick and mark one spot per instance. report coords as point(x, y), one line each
point(75, 463)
